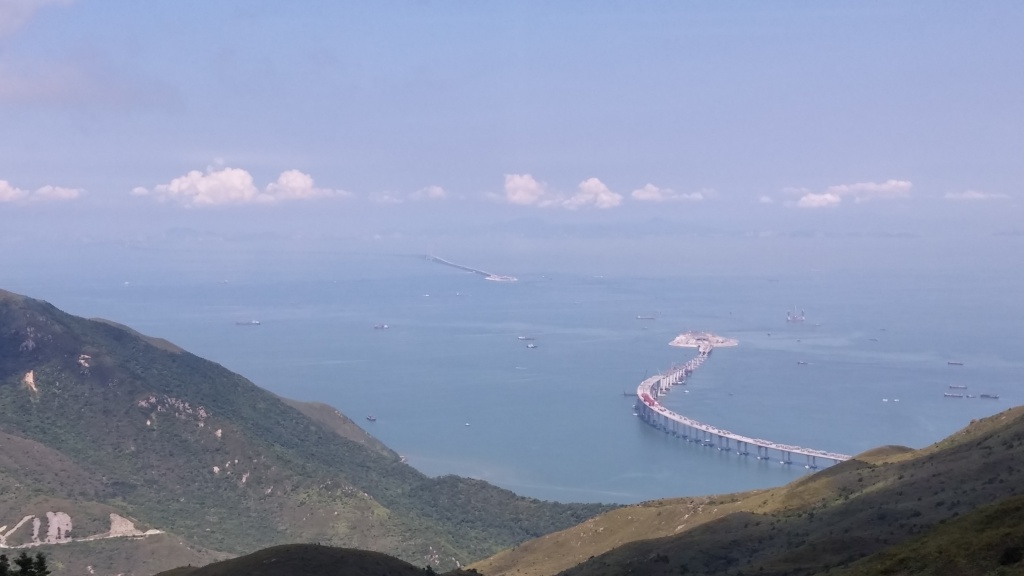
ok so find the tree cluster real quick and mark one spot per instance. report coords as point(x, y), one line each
point(26, 565)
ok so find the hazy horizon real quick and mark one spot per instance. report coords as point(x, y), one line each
point(520, 128)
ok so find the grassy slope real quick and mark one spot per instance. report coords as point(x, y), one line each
point(144, 425)
point(883, 498)
point(988, 541)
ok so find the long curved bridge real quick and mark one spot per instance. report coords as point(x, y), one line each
point(485, 274)
point(653, 413)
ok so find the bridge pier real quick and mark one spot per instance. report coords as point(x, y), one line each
point(812, 462)
point(787, 458)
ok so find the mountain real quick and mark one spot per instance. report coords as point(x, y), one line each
point(126, 454)
point(306, 560)
point(956, 507)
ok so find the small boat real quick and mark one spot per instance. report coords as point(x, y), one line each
point(524, 338)
point(531, 345)
point(948, 395)
point(990, 396)
point(381, 327)
point(248, 323)
point(371, 418)
point(801, 363)
point(958, 386)
point(952, 363)
point(644, 317)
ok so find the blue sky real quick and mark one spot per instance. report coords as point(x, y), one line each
point(747, 118)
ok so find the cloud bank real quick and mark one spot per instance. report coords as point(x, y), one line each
point(9, 193)
point(235, 186)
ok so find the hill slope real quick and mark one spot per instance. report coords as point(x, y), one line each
point(99, 421)
point(865, 516)
point(304, 560)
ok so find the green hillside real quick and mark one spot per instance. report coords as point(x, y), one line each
point(98, 420)
point(891, 510)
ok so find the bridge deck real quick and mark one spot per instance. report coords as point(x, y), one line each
point(653, 387)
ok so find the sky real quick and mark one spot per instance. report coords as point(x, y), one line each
point(426, 125)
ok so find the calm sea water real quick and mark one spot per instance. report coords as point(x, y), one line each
point(455, 391)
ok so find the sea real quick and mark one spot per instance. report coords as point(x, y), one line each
point(454, 388)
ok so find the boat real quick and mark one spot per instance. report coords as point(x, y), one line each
point(794, 316)
point(958, 386)
point(990, 396)
point(952, 363)
point(801, 363)
point(948, 395)
point(381, 327)
point(531, 345)
point(525, 338)
point(248, 323)
point(371, 418)
point(644, 317)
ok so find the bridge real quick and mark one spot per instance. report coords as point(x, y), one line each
point(652, 412)
point(486, 275)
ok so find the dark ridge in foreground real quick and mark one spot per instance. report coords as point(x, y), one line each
point(307, 560)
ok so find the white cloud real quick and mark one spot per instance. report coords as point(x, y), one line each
point(863, 191)
point(766, 200)
point(235, 186)
point(429, 193)
point(593, 192)
point(525, 190)
point(9, 193)
point(652, 193)
point(295, 185)
point(859, 192)
point(974, 195)
point(812, 200)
